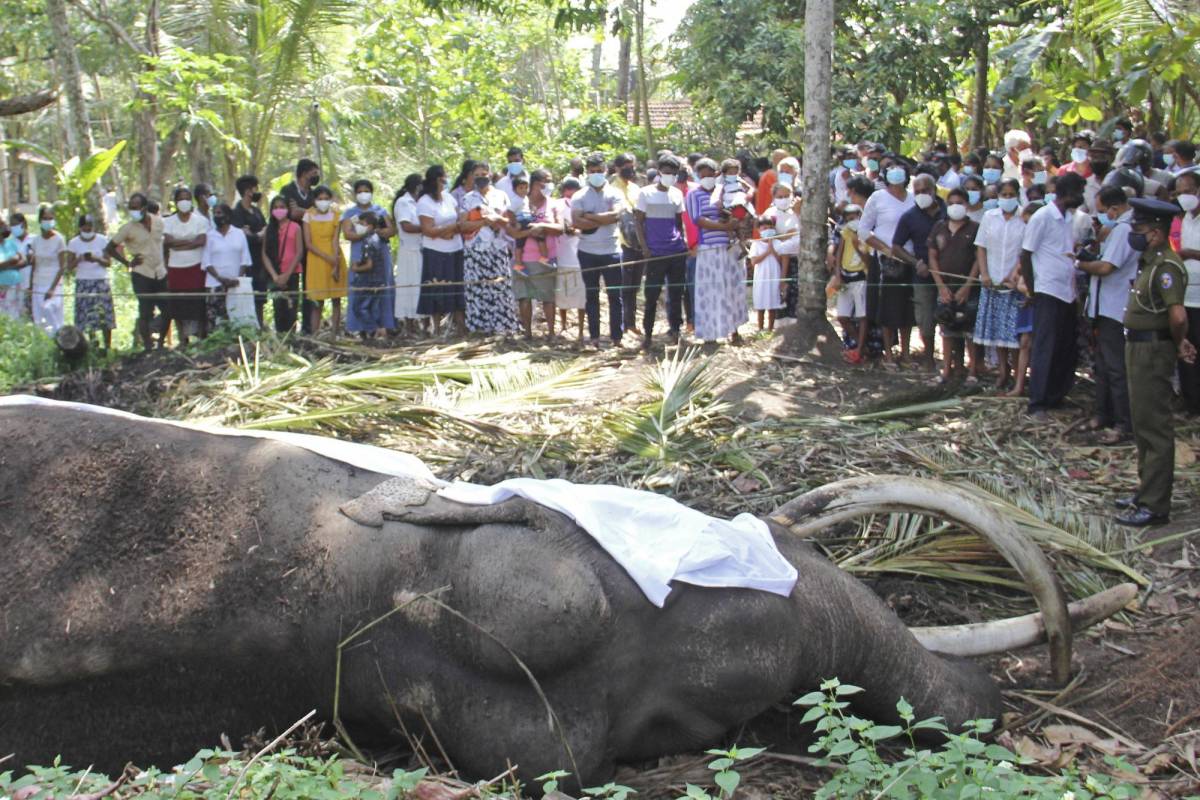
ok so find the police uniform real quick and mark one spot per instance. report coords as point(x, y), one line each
point(1150, 359)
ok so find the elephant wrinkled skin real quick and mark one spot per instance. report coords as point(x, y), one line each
point(165, 585)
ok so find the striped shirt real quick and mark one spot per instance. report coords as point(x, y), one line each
point(699, 207)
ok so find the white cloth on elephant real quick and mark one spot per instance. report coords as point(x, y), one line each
point(654, 538)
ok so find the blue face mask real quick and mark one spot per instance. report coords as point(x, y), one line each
point(850, 163)
point(1169, 159)
point(212, 201)
point(992, 174)
point(896, 176)
point(1119, 135)
point(1039, 177)
point(872, 165)
point(990, 203)
point(47, 224)
point(1007, 204)
point(968, 170)
point(515, 168)
point(1050, 197)
point(973, 196)
point(18, 231)
point(1106, 220)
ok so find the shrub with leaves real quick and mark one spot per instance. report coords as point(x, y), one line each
point(965, 766)
point(27, 354)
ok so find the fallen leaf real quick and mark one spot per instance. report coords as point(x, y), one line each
point(1163, 604)
point(1078, 474)
point(746, 484)
point(1026, 747)
point(1159, 763)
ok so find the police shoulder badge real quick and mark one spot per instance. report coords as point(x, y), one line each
point(1166, 281)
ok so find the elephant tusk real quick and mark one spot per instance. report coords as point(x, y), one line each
point(984, 638)
point(813, 512)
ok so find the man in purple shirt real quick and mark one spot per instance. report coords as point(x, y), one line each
point(659, 215)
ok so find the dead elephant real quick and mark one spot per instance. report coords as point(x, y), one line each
point(165, 585)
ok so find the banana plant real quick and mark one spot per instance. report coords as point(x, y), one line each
point(74, 179)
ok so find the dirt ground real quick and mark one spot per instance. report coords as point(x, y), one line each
point(1136, 688)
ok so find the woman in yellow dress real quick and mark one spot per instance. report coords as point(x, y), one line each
point(325, 267)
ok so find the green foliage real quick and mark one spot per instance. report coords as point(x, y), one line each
point(27, 355)
point(600, 131)
point(965, 766)
point(550, 780)
point(725, 776)
point(214, 774)
point(610, 791)
point(74, 180)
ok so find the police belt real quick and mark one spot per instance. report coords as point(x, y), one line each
point(1160, 335)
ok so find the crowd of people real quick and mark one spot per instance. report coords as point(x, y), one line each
point(1013, 256)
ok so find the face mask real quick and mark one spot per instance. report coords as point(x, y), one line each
point(47, 224)
point(18, 231)
point(973, 196)
point(1078, 155)
point(1105, 219)
point(3, 234)
point(212, 201)
point(787, 178)
point(782, 203)
point(183, 206)
point(360, 229)
point(628, 173)
point(256, 197)
point(363, 198)
point(1169, 159)
point(1101, 167)
point(598, 179)
point(1024, 154)
point(732, 181)
point(896, 176)
point(1187, 202)
point(323, 205)
point(923, 201)
point(313, 180)
point(708, 184)
point(1138, 241)
point(872, 165)
point(1050, 197)
point(851, 226)
point(220, 220)
point(1039, 177)
point(667, 180)
point(990, 203)
point(991, 174)
point(956, 211)
point(137, 215)
point(1118, 135)
point(279, 213)
point(1007, 204)
point(87, 236)
point(767, 233)
point(515, 168)
point(968, 170)
point(850, 163)
point(482, 183)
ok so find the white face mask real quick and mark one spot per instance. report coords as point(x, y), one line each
point(732, 181)
point(1024, 154)
point(360, 229)
point(783, 203)
point(923, 201)
point(708, 183)
point(767, 233)
point(1079, 155)
point(956, 211)
point(1188, 202)
point(363, 198)
point(667, 180)
point(323, 205)
point(87, 237)
point(183, 206)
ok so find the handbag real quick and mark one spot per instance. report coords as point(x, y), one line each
point(239, 304)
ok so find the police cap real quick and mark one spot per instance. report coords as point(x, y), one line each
point(1149, 210)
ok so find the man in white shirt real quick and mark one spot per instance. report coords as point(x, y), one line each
point(515, 167)
point(1112, 273)
point(947, 165)
point(1018, 147)
point(1048, 267)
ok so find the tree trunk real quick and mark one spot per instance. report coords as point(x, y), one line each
point(979, 99)
point(818, 67)
point(643, 89)
point(68, 69)
point(597, 85)
point(623, 61)
point(951, 131)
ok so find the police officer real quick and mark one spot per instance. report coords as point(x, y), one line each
point(1155, 337)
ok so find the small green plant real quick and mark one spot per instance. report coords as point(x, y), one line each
point(610, 791)
point(726, 777)
point(550, 780)
point(964, 767)
point(27, 353)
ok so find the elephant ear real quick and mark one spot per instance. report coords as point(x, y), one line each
point(416, 501)
point(388, 499)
